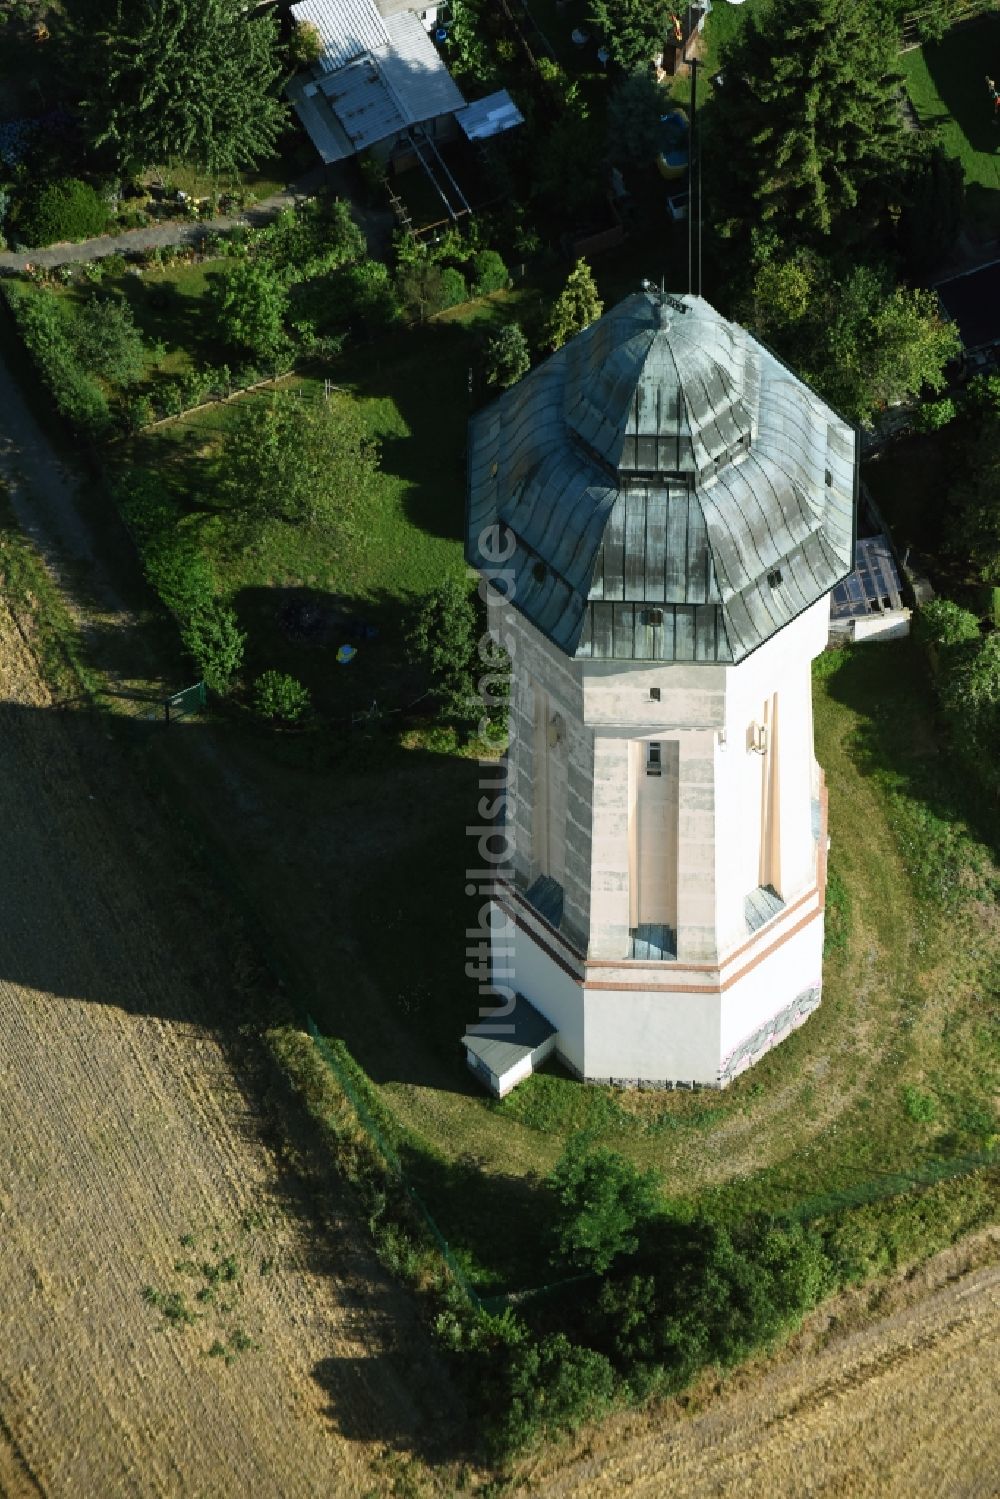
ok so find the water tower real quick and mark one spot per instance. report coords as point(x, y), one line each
point(672, 507)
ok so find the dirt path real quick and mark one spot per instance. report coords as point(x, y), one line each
point(126, 1126)
point(173, 232)
point(907, 1406)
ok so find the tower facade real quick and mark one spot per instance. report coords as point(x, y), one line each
point(661, 510)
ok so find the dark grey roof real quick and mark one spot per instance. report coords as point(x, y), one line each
point(500, 1052)
point(673, 491)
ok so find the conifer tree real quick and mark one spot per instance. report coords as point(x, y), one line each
point(188, 81)
point(807, 117)
point(576, 307)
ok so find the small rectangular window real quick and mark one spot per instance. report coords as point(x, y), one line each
point(829, 478)
point(653, 763)
point(774, 577)
point(652, 616)
point(654, 694)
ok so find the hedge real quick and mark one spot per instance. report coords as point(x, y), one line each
point(45, 332)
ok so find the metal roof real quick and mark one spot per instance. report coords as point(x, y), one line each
point(673, 492)
point(416, 71)
point(500, 1044)
point(376, 94)
point(347, 28)
point(873, 587)
point(490, 116)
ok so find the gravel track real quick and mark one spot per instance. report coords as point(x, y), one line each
point(123, 1126)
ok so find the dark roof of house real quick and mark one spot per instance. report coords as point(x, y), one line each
point(972, 300)
point(500, 1044)
point(674, 493)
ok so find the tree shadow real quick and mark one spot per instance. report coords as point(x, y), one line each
point(347, 648)
point(899, 738)
point(430, 374)
point(958, 66)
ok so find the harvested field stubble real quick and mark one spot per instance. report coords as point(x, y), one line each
point(135, 1158)
point(900, 1406)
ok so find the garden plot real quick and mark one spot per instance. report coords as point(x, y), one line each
point(171, 1322)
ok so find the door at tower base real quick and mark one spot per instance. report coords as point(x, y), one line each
point(701, 1027)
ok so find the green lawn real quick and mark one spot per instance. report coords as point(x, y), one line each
point(946, 84)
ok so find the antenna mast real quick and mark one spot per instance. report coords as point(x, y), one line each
point(694, 189)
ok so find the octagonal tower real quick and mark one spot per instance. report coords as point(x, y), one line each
point(662, 508)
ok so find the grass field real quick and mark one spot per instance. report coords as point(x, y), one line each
point(945, 83)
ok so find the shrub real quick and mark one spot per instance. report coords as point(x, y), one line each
point(602, 1201)
point(250, 305)
point(214, 639)
point(942, 623)
point(919, 1106)
point(982, 395)
point(711, 1295)
point(46, 333)
point(507, 357)
point(453, 288)
point(108, 342)
point(305, 45)
point(550, 1386)
point(280, 698)
point(181, 575)
point(933, 415)
point(363, 294)
point(489, 273)
point(66, 209)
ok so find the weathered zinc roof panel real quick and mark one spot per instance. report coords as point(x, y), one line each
point(347, 28)
point(674, 492)
point(318, 120)
point(416, 71)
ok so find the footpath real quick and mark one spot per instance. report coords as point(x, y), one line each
point(172, 232)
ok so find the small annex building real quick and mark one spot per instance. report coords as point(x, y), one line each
point(661, 511)
point(380, 83)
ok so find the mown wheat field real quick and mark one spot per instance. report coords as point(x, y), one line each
point(171, 1320)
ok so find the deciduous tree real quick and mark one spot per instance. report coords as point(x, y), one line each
point(507, 357)
point(861, 341)
point(189, 81)
point(108, 342)
point(633, 31)
point(603, 1200)
point(306, 462)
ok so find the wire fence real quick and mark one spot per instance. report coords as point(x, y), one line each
point(390, 1155)
point(892, 1184)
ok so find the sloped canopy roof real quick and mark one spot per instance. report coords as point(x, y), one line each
point(673, 491)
